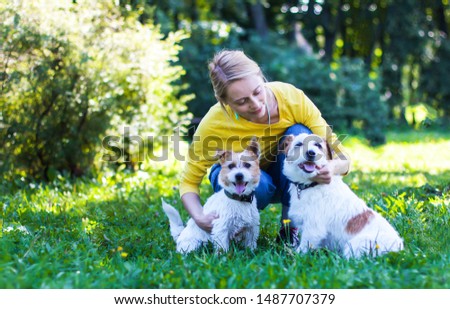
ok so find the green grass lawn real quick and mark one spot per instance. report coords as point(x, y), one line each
point(109, 231)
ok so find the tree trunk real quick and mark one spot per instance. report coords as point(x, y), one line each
point(440, 18)
point(330, 26)
point(259, 19)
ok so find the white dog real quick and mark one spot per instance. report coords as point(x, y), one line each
point(331, 215)
point(235, 205)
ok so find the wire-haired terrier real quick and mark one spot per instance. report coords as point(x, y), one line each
point(235, 205)
point(331, 215)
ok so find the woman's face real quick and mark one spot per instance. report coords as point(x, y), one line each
point(247, 98)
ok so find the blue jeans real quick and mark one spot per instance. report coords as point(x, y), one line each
point(273, 185)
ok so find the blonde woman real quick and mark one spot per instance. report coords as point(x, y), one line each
point(250, 106)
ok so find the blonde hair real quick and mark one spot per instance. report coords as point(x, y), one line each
point(228, 66)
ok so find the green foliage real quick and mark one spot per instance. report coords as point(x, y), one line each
point(206, 38)
point(404, 45)
point(435, 78)
point(359, 104)
point(77, 72)
point(109, 231)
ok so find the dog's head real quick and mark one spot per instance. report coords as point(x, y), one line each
point(240, 172)
point(305, 155)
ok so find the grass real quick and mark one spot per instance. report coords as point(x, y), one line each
point(108, 231)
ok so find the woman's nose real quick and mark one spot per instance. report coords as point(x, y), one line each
point(254, 102)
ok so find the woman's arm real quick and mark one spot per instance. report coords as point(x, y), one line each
point(193, 206)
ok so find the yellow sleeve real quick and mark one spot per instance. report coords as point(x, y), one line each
point(195, 168)
point(201, 155)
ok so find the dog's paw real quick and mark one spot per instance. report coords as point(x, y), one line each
point(185, 247)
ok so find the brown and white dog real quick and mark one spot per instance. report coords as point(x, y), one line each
point(331, 215)
point(235, 205)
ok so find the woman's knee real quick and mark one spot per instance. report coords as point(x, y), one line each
point(279, 178)
point(265, 191)
point(214, 177)
point(297, 129)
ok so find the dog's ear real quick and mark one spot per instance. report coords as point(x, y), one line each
point(221, 154)
point(285, 144)
point(253, 146)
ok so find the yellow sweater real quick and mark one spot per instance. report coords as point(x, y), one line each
point(220, 130)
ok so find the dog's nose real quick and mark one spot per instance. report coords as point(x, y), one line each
point(310, 154)
point(239, 176)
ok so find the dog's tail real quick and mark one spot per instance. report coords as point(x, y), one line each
point(176, 224)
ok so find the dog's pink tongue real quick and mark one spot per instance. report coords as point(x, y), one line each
point(309, 166)
point(240, 188)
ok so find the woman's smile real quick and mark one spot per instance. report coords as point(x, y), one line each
point(258, 111)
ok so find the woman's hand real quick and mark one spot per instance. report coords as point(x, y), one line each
point(325, 173)
point(191, 202)
point(205, 221)
point(334, 167)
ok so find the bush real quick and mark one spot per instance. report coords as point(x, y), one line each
point(76, 72)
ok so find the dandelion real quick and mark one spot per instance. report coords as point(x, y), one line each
point(119, 248)
point(286, 221)
point(377, 246)
point(124, 254)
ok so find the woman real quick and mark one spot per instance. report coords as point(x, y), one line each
point(250, 106)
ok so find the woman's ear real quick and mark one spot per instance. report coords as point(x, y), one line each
point(221, 101)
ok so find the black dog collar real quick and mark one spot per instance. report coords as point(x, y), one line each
point(240, 198)
point(302, 186)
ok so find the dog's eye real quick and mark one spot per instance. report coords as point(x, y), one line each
point(299, 144)
point(231, 166)
point(318, 145)
point(247, 165)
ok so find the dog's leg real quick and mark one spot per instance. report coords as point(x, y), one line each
point(220, 237)
point(184, 247)
point(372, 246)
point(312, 238)
point(250, 236)
point(359, 246)
point(191, 238)
point(221, 241)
